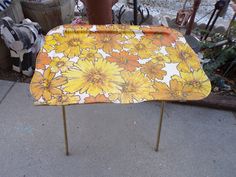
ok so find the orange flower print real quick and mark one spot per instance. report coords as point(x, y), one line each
point(160, 36)
point(175, 91)
point(99, 98)
point(125, 60)
point(107, 42)
point(163, 91)
point(154, 70)
point(116, 63)
point(160, 39)
point(42, 60)
point(46, 85)
point(64, 99)
point(153, 29)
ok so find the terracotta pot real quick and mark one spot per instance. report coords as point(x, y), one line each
point(99, 13)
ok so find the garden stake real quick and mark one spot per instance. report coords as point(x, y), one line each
point(65, 130)
point(159, 126)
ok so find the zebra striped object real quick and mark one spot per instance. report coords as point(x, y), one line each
point(4, 4)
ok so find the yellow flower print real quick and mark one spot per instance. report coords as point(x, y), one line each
point(125, 36)
point(175, 91)
point(71, 44)
point(107, 42)
point(143, 48)
point(46, 85)
point(122, 29)
point(77, 27)
point(114, 63)
point(127, 32)
point(159, 58)
point(50, 42)
point(64, 99)
point(90, 55)
point(110, 28)
point(119, 28)
point(136, 87)
point(135, 28)
point(197, 81)
point(153, 70)
point(94, 77)
point(183, 55)
point(60, 64)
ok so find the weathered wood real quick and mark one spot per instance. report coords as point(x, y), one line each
point(216, 101)
point(49, 14)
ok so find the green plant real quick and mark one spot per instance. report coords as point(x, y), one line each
point(220, 50)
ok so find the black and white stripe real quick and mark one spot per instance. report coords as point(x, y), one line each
point(24, 41)
point(4, 4)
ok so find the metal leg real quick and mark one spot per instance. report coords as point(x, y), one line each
point(65, 130)
point(159, 126)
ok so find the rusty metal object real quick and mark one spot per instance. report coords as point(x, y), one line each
point(183, 15)
point(191, 22)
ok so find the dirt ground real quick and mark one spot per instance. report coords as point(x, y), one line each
point(14, 76)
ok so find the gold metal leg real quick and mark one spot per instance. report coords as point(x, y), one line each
point(65, 130)
point(159, 126)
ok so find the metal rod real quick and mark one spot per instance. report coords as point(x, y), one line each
point(65, 130)
point(213, 23)
point(209, 22)
point(159, 126)
point(184, 6)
